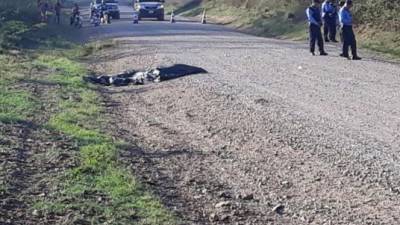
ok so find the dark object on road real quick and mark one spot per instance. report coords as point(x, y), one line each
point(140, 78)
point(279, 209)
point(179, 70)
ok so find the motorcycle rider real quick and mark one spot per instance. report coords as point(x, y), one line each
point(75, 13)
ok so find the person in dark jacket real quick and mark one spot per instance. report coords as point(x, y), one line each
point(315, 22)
point(341, 4)
point(329, 15)
point(346, 23)
point(57, 10)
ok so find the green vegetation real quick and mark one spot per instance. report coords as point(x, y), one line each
point(100, 190)
point(15, 105)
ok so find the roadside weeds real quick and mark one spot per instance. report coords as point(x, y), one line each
point(95, 188)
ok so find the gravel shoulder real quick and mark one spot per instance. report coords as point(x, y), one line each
point(269, 127)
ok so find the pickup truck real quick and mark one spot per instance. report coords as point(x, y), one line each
point(150, 9)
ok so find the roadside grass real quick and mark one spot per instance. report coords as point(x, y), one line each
point(387, 43)
point(93, 47)
point(269, 23)
point(100, 190)
point(16, 104)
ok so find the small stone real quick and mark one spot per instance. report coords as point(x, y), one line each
point(247, 196)
point(279, 209)
point(223, 204)
point(224, 194)
point(197, 197)
point(213, 217)
point(224, 218)
point(35, 212)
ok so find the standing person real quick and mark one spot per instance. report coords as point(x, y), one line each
point(57, 9)
point(39, 6)
point(329, 14)
point(315, 22)
point(341, 4)
point(43, 7)
point(349, 39)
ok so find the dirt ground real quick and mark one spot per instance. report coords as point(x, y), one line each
point(31, 158)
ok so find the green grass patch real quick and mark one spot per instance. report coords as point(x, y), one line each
point(387, 43)
point(12, 70)
point(15, 105)
point(91, 48)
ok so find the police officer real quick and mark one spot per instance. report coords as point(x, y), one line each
point(329, 15)
point(315, 22)
point(346, 23)
point(341, 4)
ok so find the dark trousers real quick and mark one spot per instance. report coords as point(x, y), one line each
point(330, 28)
point(316, 36)
point(58, 18)
point(349, 40)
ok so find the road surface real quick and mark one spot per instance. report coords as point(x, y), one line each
point(270, 135)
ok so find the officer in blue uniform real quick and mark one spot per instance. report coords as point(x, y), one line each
point(346, 23)
point(329, 15)
point(315, 22)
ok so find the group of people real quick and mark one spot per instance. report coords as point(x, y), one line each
point(329, 17)
point(101, 12)
point(45, 7)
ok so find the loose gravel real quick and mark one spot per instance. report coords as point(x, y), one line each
point(271, 135)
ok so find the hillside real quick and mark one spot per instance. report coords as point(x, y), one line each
point(378, 25)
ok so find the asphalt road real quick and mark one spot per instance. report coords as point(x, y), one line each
point(147, 27)
point(318, 135)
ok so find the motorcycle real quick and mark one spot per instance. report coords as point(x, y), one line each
point(95, 19)
point(76, 20)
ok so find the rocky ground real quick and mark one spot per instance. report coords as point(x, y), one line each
point(263, 138)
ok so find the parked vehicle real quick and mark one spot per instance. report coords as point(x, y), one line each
point(111, 6)
point(150, 9)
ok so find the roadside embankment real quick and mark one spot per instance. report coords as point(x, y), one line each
point(377, 24)
point(58, 162)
